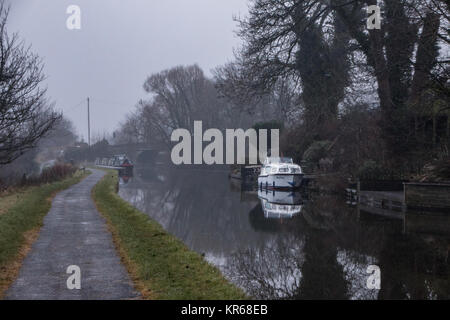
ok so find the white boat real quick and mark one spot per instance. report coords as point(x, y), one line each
point(280, 173)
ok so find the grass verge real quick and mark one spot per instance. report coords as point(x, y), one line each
point(20, 221)
point(161, 266)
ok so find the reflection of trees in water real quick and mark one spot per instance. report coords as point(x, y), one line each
point(336, 248)
point(271, 271)
point(415, 267)
point(208, 216)
point(295, 267)
point(354, 266)
point(323, 253)
point(323, 277)
point(198, 207)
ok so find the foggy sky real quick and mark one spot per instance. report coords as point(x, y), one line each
point(120, 43)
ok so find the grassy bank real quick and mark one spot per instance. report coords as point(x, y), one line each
point(161, 266)
point(21, 216)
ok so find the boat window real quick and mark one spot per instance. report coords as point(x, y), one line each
point(280, 160)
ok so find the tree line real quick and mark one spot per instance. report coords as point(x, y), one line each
point(184, 94)
point(344, 94)
point(346, 97)
point(396, 75)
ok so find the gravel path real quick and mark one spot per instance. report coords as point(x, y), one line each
point(74, 233)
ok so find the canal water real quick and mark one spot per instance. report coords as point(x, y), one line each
point(294, 245)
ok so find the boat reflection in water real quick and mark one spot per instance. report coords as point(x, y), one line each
point(125, 175)
point(280, 204)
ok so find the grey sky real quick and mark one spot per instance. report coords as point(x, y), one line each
point(121, 42)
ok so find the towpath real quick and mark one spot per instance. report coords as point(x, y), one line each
point(73, 234)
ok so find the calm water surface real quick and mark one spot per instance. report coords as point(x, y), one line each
point(285, 245)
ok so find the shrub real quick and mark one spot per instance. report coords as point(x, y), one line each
point(58, 172)
point(436, 171)
point(370, 170)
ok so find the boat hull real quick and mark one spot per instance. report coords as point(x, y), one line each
point(280, 181)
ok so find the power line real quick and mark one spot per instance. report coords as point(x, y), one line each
point(109, 102)
point(75, 106)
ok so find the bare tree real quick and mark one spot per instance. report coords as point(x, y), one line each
point(25, 114)
point(179, 96)
point(181, 93)
point(280, 101)
point(314, 39)
point(277, 49)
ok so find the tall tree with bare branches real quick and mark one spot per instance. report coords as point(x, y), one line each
point(25, 114)
point(312, 39)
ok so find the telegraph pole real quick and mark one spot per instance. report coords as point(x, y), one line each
point(89, 123)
